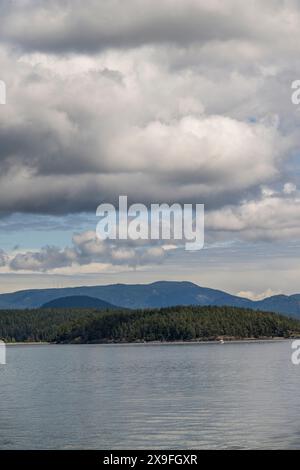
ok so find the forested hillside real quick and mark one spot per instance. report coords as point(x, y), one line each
point(169, 324)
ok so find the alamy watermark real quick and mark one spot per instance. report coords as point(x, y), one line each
point(2, 353)
point(2, 92)
point(295, 97)
point(159, 222)
point(295, 357)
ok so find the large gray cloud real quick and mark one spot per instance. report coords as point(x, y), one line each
point(88, 26)
point(71, 140)
point(179, 101)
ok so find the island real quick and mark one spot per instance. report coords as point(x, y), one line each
point(172, 324)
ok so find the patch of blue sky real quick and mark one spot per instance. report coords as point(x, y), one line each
point(34, 231)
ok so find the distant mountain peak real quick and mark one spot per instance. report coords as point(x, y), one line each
point(79, 301)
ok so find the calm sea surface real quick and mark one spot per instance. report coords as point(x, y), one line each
point(150, 396)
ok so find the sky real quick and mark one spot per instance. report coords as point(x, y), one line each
point(183, 101)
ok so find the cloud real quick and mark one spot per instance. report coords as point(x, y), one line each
point(89, 26)
point(3, 258)
point(87, 250)
point(254, 296)
point(48, 258)
point(289, 188)
point(272, 217)
point(65, 152)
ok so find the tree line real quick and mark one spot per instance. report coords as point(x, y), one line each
point(166, 324)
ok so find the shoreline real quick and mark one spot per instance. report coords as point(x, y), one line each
point(159, 343)
point(31, 343)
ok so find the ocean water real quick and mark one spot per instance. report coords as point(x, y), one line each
point(175, 396)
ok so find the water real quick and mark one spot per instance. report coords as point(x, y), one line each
point(150, 396)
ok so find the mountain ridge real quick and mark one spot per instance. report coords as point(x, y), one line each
point(154, 295)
